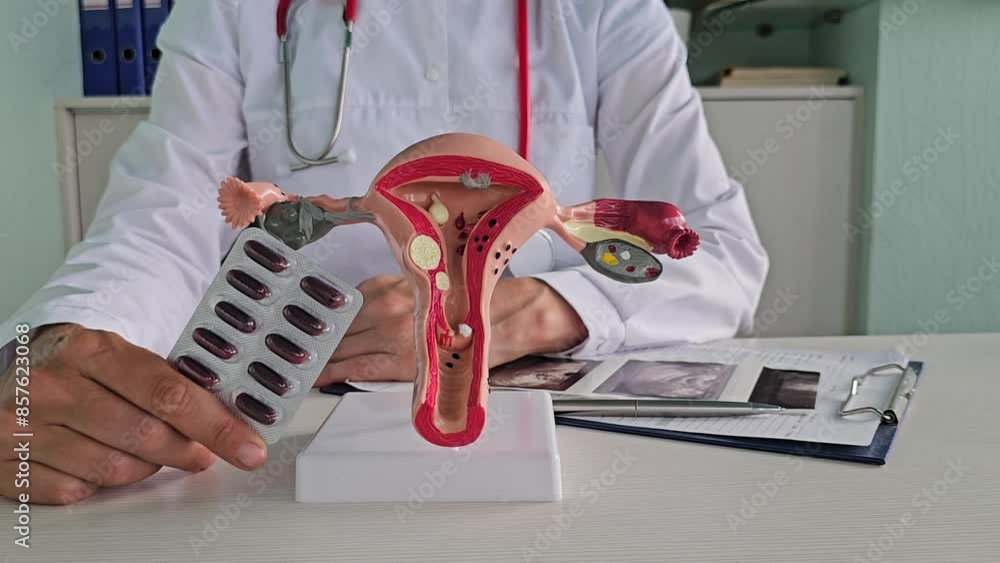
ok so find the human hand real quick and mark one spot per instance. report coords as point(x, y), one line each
point(105, 413)
point(528, 317)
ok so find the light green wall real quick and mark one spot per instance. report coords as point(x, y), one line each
point(938, 71)
point(39, 60)
point(927, 67)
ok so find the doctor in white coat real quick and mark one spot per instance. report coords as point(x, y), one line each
point(107, 410)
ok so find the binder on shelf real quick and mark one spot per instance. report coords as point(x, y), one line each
point(154, 13)
point(98, 49)
point(128, 36)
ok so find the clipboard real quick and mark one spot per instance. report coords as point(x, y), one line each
point(874, 454)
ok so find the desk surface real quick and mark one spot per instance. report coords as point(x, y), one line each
point(675, 502)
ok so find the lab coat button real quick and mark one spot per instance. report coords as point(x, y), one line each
point(432, 73)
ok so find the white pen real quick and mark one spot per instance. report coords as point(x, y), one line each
point(660, 408)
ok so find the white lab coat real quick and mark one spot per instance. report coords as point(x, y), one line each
point(610, 73)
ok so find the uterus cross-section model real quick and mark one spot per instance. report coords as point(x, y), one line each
point(454, 209)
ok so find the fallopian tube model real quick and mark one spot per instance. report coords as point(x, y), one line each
point(454, 209)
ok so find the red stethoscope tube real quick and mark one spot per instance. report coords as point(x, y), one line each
point(523, 75)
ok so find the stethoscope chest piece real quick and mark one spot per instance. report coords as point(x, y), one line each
point(284, 59)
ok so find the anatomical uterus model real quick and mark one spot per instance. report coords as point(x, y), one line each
point(454, 209)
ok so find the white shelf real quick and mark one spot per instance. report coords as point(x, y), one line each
point(102, 103)
point(716, 93)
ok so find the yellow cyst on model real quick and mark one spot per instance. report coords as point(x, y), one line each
point(442, 281)
point(424, 252)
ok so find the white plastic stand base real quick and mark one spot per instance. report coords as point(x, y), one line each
point(368, 451)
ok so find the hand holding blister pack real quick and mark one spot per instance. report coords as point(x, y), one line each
point(265, 329)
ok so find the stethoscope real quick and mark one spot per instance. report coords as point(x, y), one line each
point(350, 15)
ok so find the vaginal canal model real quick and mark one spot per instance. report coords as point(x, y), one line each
point(454, 209)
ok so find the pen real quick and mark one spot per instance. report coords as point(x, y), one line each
point(659, 408)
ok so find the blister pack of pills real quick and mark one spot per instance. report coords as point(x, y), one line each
point(265, 329)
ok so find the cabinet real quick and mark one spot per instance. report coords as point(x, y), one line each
point(797, 154)
point(803, 197)
point(89, 132)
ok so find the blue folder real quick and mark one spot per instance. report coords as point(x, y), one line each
point(154, 13)
point(128, 36)
point(97, 46)
point(874, 453)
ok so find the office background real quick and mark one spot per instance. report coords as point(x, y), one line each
point(924, 229)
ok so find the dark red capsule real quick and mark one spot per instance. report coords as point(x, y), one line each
point(248, 285)
point(195, 371)
point(256, 410)
point(235, 317)
point(270, 379)
point(322, 292)
point(265, 256)
point(214, 343)
point(304, 320)
point(286, 349)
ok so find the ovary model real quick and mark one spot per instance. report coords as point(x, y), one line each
point(454, 209)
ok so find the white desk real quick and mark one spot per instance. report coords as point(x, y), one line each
point(671, 504)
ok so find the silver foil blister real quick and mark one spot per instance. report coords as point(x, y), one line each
point(277, 318)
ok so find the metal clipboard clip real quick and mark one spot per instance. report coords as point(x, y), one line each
point(898, 401)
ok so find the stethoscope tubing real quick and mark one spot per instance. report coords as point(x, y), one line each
point(350, 13)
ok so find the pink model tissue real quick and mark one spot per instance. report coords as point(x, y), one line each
point(455, 208)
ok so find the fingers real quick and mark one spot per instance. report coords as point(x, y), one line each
point(392, 336)
point(77, 455)
point(48, 486)
point(379, 344)
point(368, 367)
point(147, 381)
point(120, 425)
point(385, 297)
